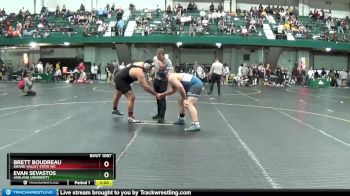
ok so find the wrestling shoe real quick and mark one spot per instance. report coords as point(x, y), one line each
point(192, 128)
point(117, 112)
point(133, 120)
point(179, 121)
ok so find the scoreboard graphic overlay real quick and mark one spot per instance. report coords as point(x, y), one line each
point(94, 169)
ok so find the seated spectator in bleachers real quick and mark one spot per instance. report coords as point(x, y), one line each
point(190, 6)
point(340, 26)
point(251, 26)
point(202, 14)
point(191, 30)
point(261, 8)
point(268, 9)
point(232, 29)
point(42, 10)
point(82, 8)
point(179, 9)
point(195, 8)
point(57, 12)
point(120, 13)
point(3, 12)
point(211, 7)
point(121, 27)
point(200, 29)
point(46, 12)
point(64, 10)
point(244, 32)
point(168, 10)
point(220, 7)
point(132, 7)
point(101, 29)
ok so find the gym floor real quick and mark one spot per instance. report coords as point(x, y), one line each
point(251, 137)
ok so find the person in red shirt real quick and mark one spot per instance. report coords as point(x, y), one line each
point(81, 67)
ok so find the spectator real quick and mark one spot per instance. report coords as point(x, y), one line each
point(195, 67)
point(332, 77)
point(109, 72)
point(220, 7)
point(40, 67)
point(255, 76)
point(82, 8)
point(280, 76)
point(57, 12)
point(190, 6)
point(121, 27)
point(211, 7)
point(343, 77)
point(132, 7)
point(168, 10)
point(121, 66)
point(340, 27)
point(323, 73)
point(58, 75)
point(179, 9)
point(226, 74)
point(64, 10)
point(58, 65)
point(201, 73)
point(94, 70)
point(310, 75)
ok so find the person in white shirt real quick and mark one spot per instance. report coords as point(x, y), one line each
point(310, 74)
point(201, 73)
point(226, 74)
point(58, 75)
point(202, 14)
point(40, 67)
point(94, 70)
point(122, 66)
point(343, 77)
point(215, 74)
point(239, 73)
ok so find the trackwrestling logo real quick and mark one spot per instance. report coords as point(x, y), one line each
point(32, 192)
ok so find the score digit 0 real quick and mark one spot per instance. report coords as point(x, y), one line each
point(106, 163)
point(106, 174)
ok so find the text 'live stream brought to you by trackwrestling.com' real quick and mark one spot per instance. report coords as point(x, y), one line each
point(93, 192)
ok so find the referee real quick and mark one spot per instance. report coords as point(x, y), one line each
point(160, 84)
point(216, 73)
